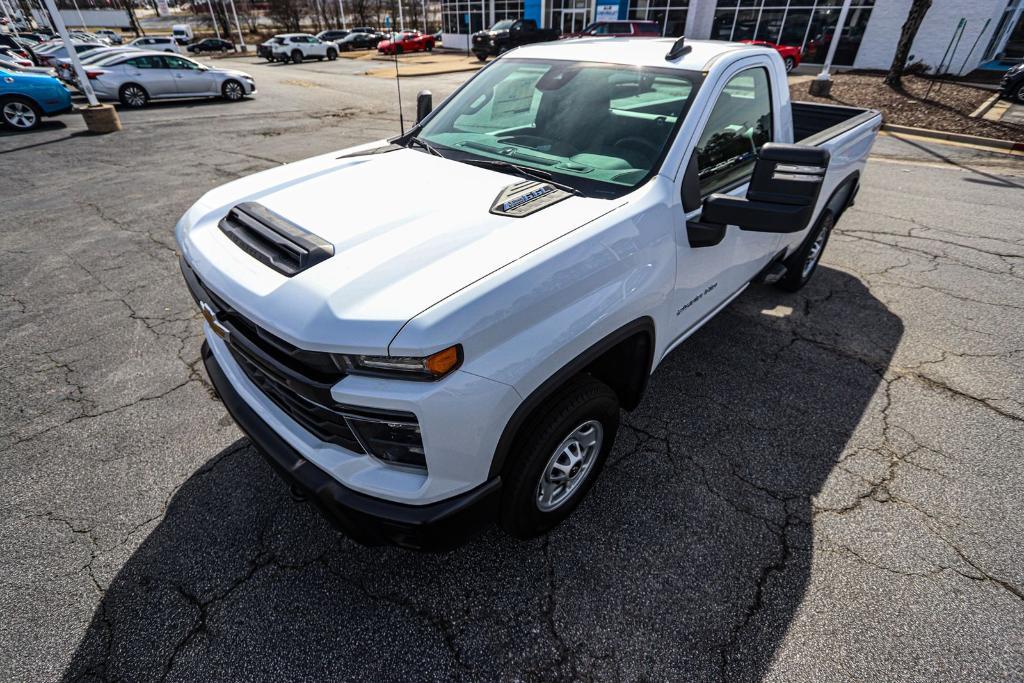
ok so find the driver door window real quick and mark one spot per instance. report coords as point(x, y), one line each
point(739, 125)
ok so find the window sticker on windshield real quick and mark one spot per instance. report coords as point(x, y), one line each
point(513, 96)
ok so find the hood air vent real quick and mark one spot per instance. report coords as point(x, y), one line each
point(526, 197)
point(274, 241)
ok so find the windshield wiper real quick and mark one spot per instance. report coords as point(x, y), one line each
point(425, 145)
point(532, 173)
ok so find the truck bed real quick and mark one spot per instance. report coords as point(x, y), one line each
point(815, 123)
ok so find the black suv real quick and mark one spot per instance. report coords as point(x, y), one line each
point(1012, 85)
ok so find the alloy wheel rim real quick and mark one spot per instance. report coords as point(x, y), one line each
point(815, 253)
point(569, 465)
point(233, 91)
point(19, 115)
point(134, 97)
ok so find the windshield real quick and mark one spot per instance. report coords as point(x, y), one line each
point(601, 128)
point(503, 25)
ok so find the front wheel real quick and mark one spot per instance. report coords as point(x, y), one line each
point(802, 264)
point(20, 113)
point(481, 56)
point(332, 55)
point(430, 47)
point(790, 64)
point(558, 456)
point(232, 91)
point(1020, 93)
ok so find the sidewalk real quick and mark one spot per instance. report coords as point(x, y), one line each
point(424, 64)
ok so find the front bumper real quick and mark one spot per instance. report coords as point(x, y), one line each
point(365, 519)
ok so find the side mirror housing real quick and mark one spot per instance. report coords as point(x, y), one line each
point(782, 195)
point(424, 104)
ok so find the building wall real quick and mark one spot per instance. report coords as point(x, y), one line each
point(95, 18)
point(883, 32)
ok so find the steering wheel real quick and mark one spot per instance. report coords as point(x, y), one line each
point(634, 146)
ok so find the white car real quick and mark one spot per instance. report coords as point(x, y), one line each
point(159, 43)
point(296, 47)
point(568, 217)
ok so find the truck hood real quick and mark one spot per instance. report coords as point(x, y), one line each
point(408, 229)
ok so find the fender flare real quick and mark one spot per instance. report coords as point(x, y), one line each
point(644, 325)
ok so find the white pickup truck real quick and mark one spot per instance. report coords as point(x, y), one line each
point(553, 229)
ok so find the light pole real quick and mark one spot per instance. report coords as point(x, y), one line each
point(341, 10)
point(822, 85)
point(213, 17)
point(238, 26)
point(81, 21)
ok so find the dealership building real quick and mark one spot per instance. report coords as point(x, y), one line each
point(974, 32)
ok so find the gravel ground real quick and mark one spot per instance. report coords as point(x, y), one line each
point(947, 108)
point(817, 487)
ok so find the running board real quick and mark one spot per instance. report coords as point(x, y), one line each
point(771, 274)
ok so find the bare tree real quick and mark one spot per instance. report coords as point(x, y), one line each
point(287, 14)
point(918, 8)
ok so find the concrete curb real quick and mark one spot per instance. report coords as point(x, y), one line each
point(988, 143)
point(985, 106)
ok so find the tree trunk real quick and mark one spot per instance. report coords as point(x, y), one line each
point(899, 61)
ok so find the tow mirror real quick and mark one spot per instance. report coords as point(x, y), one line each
point(424, 104)
point(782, 193)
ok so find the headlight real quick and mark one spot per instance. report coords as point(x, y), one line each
point(396, 443)
point(429, 368)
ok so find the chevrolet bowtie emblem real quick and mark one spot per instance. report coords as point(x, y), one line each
point(211, 319)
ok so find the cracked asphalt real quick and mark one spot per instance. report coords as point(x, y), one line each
point(817, 487)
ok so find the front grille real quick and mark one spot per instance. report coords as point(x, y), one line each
point(297, 381)
point(323, 423)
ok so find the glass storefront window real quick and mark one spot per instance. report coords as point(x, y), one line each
point(670, 15)
point(808, 24)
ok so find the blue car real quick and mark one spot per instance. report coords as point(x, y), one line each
point(25, 98)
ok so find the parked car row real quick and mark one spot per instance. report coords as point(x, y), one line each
point(131, 76)
point(296, 47)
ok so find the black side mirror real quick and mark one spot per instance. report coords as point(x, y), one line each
point(699, 233)
point(782, 194)
point(424, 104)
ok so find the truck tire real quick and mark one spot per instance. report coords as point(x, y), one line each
point(481, 56)
point(559, 453)
point(800, 266)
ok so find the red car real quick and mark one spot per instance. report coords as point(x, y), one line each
point(406, 41)
point(618, 29)
point(790, 55)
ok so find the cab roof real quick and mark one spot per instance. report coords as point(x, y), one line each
point(635, 51)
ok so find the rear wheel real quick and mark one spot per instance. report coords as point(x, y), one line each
point(480, 56)
point(1020, 93)
point(20, 113)
point(232, 90)
point(790, 63)
point(132, 95)
point(297, 56)
point(802, 264)
point(559, 453)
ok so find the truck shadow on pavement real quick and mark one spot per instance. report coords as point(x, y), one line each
point(688, 561)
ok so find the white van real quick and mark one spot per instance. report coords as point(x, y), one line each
point(182, 33)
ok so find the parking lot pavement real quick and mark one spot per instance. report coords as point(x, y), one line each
point(817, 487)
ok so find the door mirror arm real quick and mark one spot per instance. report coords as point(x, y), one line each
point(699, 233)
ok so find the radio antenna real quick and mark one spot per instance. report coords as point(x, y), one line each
point(398, 83)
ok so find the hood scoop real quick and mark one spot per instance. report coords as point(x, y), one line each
point(273, 240)
point(525, 198)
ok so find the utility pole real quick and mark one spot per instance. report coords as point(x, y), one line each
point(822, 85)
point(341, 10)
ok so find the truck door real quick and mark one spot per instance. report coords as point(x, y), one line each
point(733, 130)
